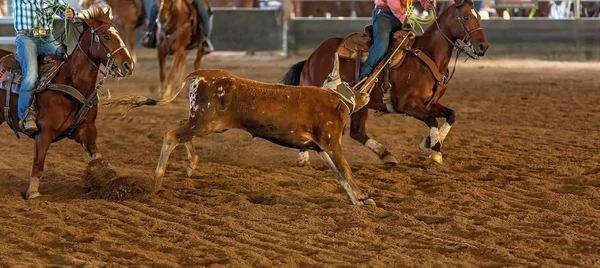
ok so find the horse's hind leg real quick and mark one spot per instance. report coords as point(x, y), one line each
point(162, 57)
point(199, 57)
point(358, 132)
point(172, 138)
point(333, 156)
point(42, 143)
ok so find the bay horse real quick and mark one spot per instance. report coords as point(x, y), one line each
point(412, 84)
point(128, 15)
point(67, 107)
point(220, 101)
point(177, 32)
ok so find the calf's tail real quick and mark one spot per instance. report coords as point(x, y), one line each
point(134, 101)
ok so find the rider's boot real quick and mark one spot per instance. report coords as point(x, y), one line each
point(207, 47)
point(149, 39)
point(27, 123)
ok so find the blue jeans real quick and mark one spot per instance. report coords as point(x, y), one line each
point(478, 5)
point(152, 10)
point(28, 49)
point(384, 26)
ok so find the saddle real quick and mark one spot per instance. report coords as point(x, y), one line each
point(11, 73)
point(357, 45)
point(11, 77)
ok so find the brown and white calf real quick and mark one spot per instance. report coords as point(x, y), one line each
point(301, 117)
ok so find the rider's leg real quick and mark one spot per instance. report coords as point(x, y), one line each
point(151, 9)
point(204, 16)
point(384, 22)
point(206, 19)
point(27, 56)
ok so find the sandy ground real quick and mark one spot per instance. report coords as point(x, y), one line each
point(520, 185)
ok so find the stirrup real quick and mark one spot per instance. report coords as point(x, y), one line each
point(24, 120)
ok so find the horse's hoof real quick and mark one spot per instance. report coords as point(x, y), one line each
point(436, 157)
point(390, 160)
point(32, 195)
point(369, 202)
point(189, 171)
point(423, 144)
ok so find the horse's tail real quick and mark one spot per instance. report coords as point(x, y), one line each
point(292, 77)
point(130, 102)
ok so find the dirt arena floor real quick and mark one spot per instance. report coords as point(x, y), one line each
point(520, 185)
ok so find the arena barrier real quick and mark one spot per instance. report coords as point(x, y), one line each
point(266, 29)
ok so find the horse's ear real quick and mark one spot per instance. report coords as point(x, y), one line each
point(108, 11)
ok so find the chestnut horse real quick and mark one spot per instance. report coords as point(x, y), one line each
point(177, 32)
point(59, 114)
point(128, 15)
point(412, 84)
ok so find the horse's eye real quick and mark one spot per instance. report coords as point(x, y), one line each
point(465, 17)
point(106, 37)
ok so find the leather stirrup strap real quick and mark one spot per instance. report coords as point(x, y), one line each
point(7, 115)
point(386, 87)
point(357, 66)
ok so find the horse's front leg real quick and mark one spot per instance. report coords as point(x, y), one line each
point(420, 112)
point(358, 132)
point(176, 69)
point(162, 57)
point(86, 137)
point(439, 111)
point(199, 55)
point(42, 143)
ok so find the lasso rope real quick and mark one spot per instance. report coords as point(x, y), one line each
point(55, 9)
point(414, 20)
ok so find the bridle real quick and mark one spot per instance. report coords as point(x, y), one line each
point(460, 45)
point(109, 55)
point(170, 12)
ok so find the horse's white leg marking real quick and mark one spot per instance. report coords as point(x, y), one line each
point(303, 158)
point(435, 138)
point(375, 146)
point(434, 134)
point(444, 131)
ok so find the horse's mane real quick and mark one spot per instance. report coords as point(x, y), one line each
point(464, 2)
point(71, 35)
point(97, 13)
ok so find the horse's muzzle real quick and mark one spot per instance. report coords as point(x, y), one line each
point(481, 48)
point(123, 70)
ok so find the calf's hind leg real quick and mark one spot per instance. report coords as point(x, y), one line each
point(193, 157)
point(336, 161)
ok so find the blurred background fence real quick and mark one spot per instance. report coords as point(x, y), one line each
point(543, 29)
